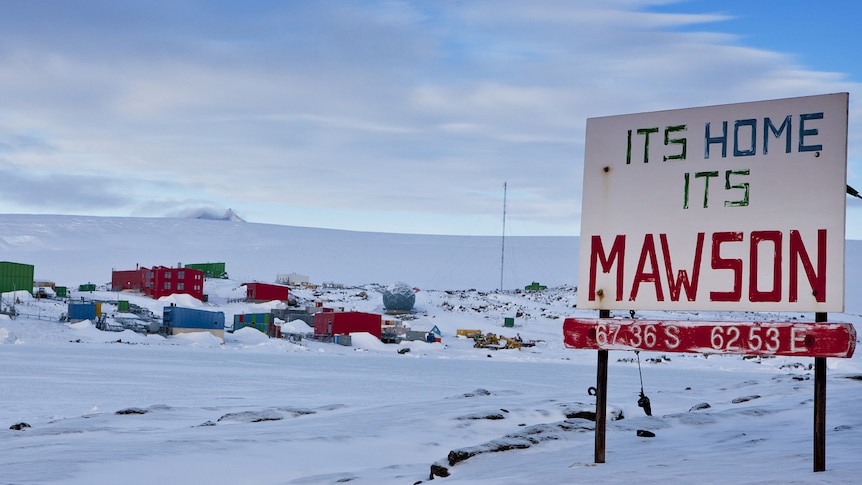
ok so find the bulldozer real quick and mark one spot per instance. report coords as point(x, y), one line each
point(511, 343)
point(494, 342)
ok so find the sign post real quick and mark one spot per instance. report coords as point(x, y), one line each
point(820, 407)
point(601, 398)
point(737, 207)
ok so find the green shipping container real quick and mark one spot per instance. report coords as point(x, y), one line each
point(60, 291)
point(260, 321)
point(123, 306)
point(211, 270)
point(16, 277)
point(87, 287)
point(509, 322)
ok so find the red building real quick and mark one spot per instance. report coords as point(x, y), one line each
point(329, 323)
point(160, 281)
point(127, 280)
point(259, 292)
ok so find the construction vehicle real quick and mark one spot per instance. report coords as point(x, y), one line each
point(494, 342)
point(511, 343)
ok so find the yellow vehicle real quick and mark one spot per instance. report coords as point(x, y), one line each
point(511, 343)
point(495, 342)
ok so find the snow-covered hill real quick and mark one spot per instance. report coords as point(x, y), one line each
point(71, 250)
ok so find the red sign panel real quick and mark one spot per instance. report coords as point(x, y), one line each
point(710, 337)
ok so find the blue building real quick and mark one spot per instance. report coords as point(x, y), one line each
point(178, 320)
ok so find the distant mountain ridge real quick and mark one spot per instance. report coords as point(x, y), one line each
point(211, 215)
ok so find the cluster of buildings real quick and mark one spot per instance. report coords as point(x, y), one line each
point(160, 281)
point(329, 324)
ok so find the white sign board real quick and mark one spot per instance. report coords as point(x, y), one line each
point(735, 207)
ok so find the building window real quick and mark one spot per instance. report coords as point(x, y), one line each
point(167, 285)
point(181, 275)
point(180, 286)
point(167, 275)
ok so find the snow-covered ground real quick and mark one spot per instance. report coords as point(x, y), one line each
point(121, 407)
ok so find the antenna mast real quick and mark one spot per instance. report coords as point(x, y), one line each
point(503, 245)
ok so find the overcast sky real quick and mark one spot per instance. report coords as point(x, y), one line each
point(377, 115)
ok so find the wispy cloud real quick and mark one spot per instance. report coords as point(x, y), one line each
point(389, 109)
point(50, 193)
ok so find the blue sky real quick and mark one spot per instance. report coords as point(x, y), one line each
point(823, 36)
point(377, 115)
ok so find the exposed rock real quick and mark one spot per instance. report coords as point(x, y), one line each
point(658, 360)
point(516, 441)
point(755, 412)
point(438, 471)
point(745, 399)
point(477, 392)
point(588, 415)
point(700, 406)
point(19, 426)
point(252, 416)
point(457, 456)
point(297, 411)
point(475, 416)
point(587, 411)
point(131, 411)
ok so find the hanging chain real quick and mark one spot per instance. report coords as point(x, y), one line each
point(643, 400)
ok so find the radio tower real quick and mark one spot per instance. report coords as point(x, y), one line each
point(503, 244)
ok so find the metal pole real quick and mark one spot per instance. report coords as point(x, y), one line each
point(601, 398)
point(820, 406)
point(503, 244)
